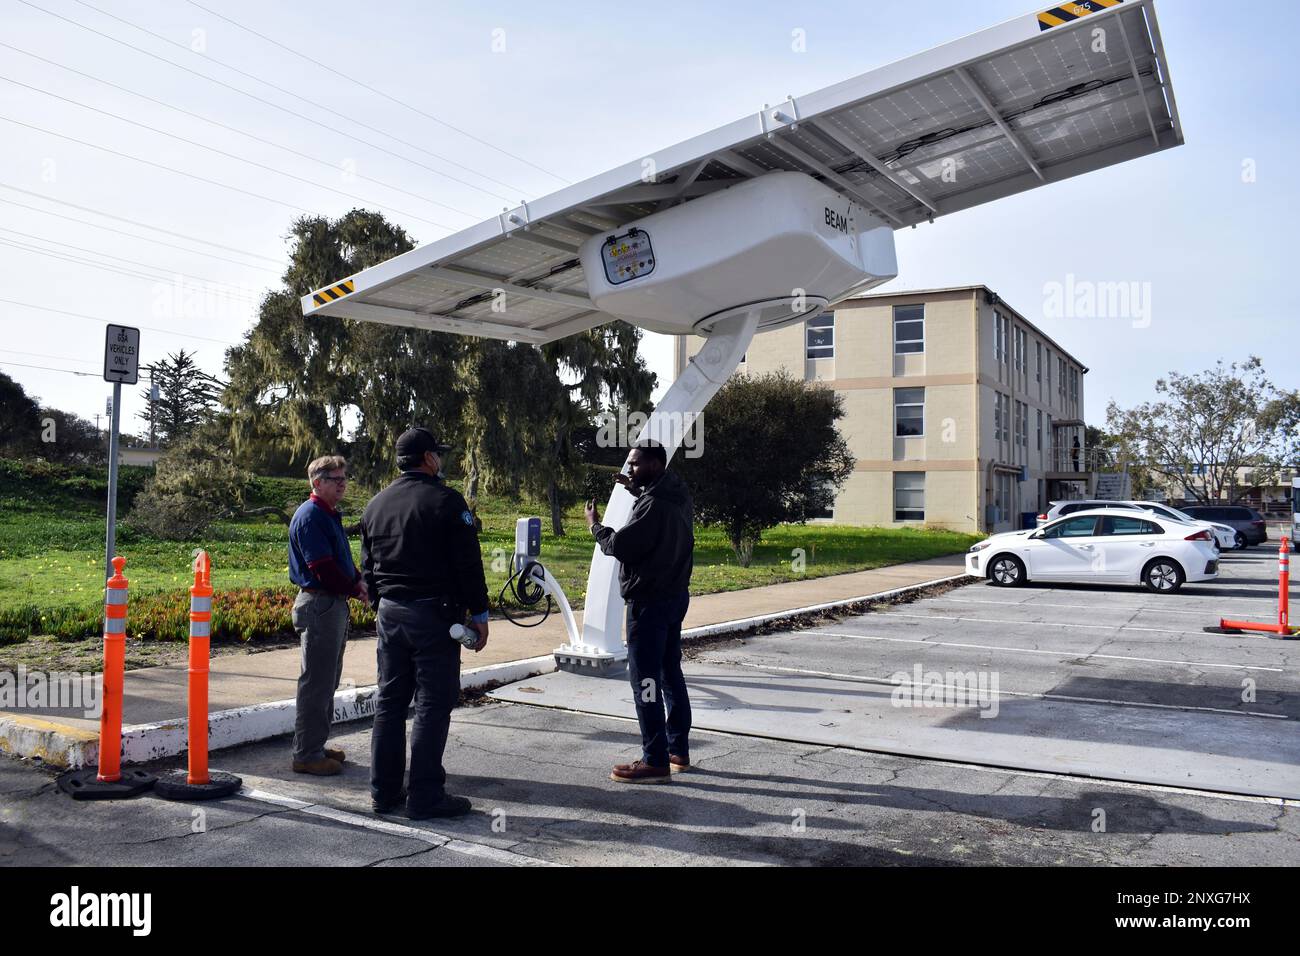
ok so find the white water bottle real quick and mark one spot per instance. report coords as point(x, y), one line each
point(463, 635)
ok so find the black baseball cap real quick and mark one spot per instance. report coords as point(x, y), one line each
point(414, 442)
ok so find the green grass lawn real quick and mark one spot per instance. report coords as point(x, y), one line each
point(52, 533)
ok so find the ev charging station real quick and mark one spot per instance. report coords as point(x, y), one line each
point(777, 216)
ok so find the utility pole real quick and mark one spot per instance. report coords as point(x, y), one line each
point(153, 414)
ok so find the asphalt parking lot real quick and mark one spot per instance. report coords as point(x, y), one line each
point(1119, 732)
point(1103, 682)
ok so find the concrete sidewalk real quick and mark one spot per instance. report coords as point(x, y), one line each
point(251, 685)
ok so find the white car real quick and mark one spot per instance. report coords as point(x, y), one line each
point(1224, 535)
point(1101, 546)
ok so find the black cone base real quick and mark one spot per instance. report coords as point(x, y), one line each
point(84, 785)
point(173, 786)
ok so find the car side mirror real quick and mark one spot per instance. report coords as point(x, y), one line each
point(1035, 536)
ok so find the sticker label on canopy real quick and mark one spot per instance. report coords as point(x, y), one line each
point(1069, 12)
point(628, 256)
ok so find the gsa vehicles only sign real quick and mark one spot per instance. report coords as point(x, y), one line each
point(122, 355)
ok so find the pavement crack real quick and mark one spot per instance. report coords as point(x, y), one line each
point(189, 833)
point(27, 793)
point(401, 856)
point(531, 758)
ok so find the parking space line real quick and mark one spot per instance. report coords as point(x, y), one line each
point(1035, 650)
point(856, 678)
point(1080, 607)
point(1215, 601)
point(995, 620)
point(395, 829)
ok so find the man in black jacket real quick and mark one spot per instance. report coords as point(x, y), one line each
point(655, 551)
point(421, 562)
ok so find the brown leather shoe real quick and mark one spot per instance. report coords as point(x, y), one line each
point(325, 767)
point(678, 764)
point(640, 772)
point(334, 754)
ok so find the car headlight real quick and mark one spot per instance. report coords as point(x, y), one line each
point(979, 546)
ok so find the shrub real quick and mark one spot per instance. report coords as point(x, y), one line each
point(239, 614)
point(192, 488)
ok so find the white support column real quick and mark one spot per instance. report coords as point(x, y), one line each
point(602, 618)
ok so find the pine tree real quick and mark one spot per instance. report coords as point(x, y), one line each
point(187, 397)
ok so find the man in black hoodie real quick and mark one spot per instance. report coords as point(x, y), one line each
point(655, 551)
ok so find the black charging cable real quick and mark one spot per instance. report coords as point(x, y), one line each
point(527, 590)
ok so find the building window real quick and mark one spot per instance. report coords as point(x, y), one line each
point(909, 496)
point(1022, 425)
point(1060, 380)
point(1040, 429)
point(820, 336)
point(909, 412)
point(1038, 366)
point(1003, 497)
point(1074, 385)
point(1001, 414)
point(909, 329)
point(999, 338)
point(1022, 349)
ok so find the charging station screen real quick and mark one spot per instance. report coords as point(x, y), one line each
point(628, 256)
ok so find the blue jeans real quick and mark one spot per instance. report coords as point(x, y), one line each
point(417, 659)
point(654, 663)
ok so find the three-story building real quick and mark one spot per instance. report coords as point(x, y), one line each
point(960, 412)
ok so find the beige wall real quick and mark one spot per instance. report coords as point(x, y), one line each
point(961, 377)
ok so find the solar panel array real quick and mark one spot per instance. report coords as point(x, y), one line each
point(1009, 109)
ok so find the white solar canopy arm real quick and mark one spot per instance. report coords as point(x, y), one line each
point(1029, 102)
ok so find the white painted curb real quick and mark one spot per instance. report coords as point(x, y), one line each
point(61, 746)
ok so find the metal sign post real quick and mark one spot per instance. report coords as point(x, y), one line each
point(121, 365)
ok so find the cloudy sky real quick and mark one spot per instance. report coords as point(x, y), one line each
point(149, 148)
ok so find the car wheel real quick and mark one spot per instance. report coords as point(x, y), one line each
point(1240, 542)
point(1163, 575)
point(1006, 571)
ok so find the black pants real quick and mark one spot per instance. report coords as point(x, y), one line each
point(654, 663)
point(417, 658)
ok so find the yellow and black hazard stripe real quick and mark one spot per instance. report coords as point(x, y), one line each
point(332, 293)
point(1069, 12)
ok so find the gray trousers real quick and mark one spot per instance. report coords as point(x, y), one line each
point(321, 621)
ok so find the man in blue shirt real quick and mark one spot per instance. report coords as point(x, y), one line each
point(320, 563)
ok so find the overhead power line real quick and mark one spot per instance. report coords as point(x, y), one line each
point(129, 273)
point(315, 123)
point(220, 125)
point(61, 358)
point(222, 152)
point(131, 235)
point(48, 368)
point(135, 222)
point(377, 92)
point(243, 293)
point(100, 318)
point(181, 172)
